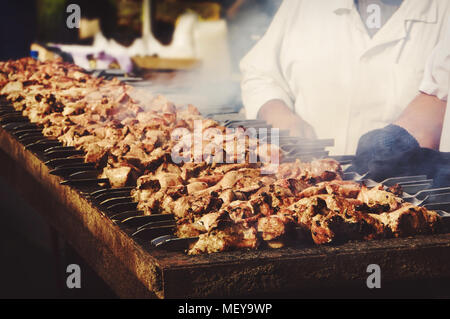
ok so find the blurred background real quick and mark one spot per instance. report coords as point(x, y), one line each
point(166, 46)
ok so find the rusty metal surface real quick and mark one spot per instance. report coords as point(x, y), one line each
point(134, 269)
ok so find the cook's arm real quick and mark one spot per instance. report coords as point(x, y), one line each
point(262, 78)
point(265, 91)
point(424, 117)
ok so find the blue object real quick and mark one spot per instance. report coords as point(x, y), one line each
point(34, 54)
point(392, 152)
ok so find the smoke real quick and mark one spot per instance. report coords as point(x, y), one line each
point(202, 89)
point(214, 87)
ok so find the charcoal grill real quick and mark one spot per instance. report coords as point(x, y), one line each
point(139, 256)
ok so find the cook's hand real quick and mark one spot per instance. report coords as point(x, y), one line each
point(279, 115)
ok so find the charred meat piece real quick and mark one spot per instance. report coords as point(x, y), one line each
point(95, 154)
point(340, 228)
point(275, 227)
point(409, 220)
point(341, 188)
point(193, 205)
point(377, 199)
point(307, 208)
point(314, 172)
point(188, 228)
point(118, 177)
point(396, 190)
point(230, 236)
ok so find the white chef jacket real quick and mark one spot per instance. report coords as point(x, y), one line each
point(436, 82)
point(318, 57)
point(445, 138)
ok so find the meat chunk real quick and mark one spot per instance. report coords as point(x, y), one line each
point(377, 199)
point(339, 228)
point(409, 220)
point(12, 87)
point(316, 171)
point(196, 205)
point(95, 153)
point(341, 188)
point(119, 176)
point(196, 187)
point(230, 237)
point(275, 227)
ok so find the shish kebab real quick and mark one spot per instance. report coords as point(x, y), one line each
point(129, 135)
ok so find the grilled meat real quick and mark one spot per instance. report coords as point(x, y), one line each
point(118, 177)
point(409, 220)
point(135, 139)
point(230, 236)
point(275, 226)
point(377, 199)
